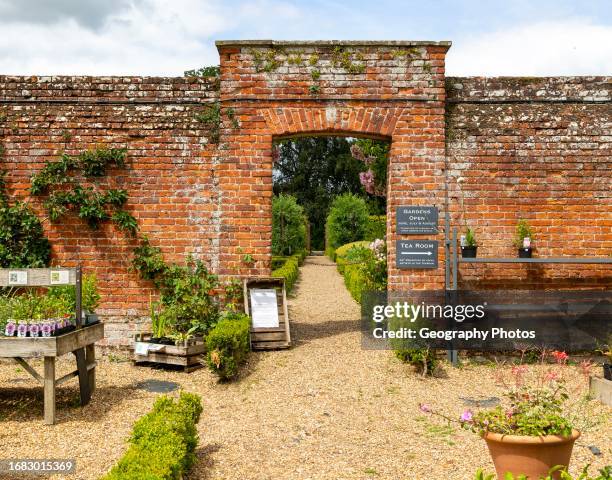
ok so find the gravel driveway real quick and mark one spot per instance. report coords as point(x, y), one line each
point(325, 409)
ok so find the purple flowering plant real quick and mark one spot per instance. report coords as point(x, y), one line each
point(535, 403)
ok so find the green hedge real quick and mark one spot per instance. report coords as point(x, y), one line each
point(278, 262)
point(228, 345)
point(376, 227)
point(353, 275)
point(163, 442)
point(290, 270)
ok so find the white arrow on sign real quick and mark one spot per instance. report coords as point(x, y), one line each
point(417, 253)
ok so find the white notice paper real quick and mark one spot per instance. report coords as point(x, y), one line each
point(264, 309)
point(143, 348)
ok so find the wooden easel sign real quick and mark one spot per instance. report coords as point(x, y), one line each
point(265, 301)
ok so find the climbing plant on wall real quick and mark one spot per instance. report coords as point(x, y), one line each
point(22, 240)
point(61, 182)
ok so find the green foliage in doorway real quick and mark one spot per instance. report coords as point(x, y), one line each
point(288, 225)
point(347, 220)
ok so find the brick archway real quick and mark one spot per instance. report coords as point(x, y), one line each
point(395, 92)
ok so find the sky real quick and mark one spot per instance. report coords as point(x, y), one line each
point(166, 37)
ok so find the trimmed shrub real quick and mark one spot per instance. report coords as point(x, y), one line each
point(288, 226)
point(289, 270)
point(341, 252)
point(278, 262)
point(163, 442)
point(227, 345)
point(376, 227)
point(347, 220)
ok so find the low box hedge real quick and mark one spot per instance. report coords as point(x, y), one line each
point(290, 270)
point(353, 275)
point(163, 442)
point(228, 345)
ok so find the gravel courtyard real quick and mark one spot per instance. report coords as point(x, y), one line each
point(325, 409)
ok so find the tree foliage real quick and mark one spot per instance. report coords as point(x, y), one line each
point(347, 220)
point(317, 169)
point(22, 240)
point(289, 226)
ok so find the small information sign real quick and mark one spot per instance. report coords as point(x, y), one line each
point(416, 254)
point(416, 220)
point(18, 277)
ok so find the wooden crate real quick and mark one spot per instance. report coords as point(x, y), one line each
point(270, 338)
point(187, 356)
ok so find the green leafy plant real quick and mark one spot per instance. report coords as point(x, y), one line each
point(424, 360)
point(22, 240)
point(560, 471)
point(347, 220)
point(227, 345)
point(208, 71)
point(90, 204)
point(288, 225)
point(289, 270)
point(210, 117)
point(163, 442)
point(523, 230)
point(148, 260)
point(470, 238)
point(125, 221)
point(536, 404)
point(91, 163)
point(376, 227)
point(187, 297)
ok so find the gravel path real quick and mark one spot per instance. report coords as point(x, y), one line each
point(325, 409)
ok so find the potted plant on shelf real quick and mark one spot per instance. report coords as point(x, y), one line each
point(523, 239)
point(468, 244)
point(535, 429)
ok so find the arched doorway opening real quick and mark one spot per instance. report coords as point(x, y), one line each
point(312, 172)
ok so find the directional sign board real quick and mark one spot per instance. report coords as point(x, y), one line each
point(416, 254)
point(416, 220)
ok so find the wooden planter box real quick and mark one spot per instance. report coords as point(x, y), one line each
point(187, 356)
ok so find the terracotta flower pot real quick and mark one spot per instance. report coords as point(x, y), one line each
point(531, 456)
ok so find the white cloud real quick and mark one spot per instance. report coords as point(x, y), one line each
point(570, 47)
point(166, 37)
point(156, 37)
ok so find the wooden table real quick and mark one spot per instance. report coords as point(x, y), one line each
point(80, 342)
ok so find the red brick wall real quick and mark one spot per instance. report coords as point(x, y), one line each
point(539, 149)
point(170, 177)
point(398, 94)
